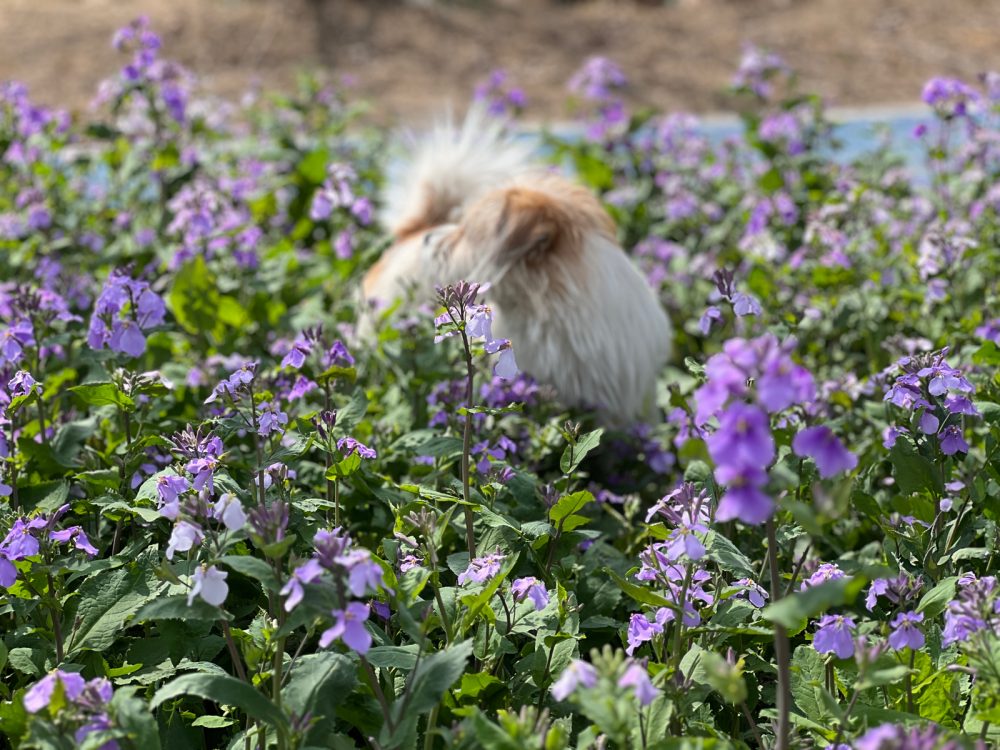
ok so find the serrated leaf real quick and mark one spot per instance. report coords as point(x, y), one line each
point(107, 601)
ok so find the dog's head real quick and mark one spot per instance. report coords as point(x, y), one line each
point(527, 240)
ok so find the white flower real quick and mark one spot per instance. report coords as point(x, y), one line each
point(210, 584)
point(230, 510)
point(184, 536)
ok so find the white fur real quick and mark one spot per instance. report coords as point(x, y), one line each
point(451, 168)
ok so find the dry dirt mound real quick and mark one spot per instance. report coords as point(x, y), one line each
point(409, 58)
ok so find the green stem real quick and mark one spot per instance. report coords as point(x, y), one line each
point(56, 625)
point(781, 647)
point(429, 731)
point(470, 531)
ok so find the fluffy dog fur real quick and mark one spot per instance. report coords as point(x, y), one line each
point(580, 316)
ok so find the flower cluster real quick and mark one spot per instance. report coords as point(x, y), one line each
point(125, 309)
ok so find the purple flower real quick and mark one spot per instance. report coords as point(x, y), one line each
point(20, 542)
point(928, 423)
point(743, 437)
point(210, 584)
point(126, 337)
point(270, 418)
point(906, 632)
point(712, 314)
point(755, 593)
point(950, 97)
point(820, 444)
point(577, 673)
point(825, 572)
point(308, 572)
point(98, 723)
point(204, 472)
point(683, 541)
point(637, 676)
point(296, 357)
point(39, 694)
point(952, 441)
point(8, 572)
point(890, 434)
point(834, 635)
point(364, 574)
point(482, 569)
point(641, 630)
point(350, 628)
point(745, 304)
point(169, 486)
point(22, 384)
point(77, 536)
point(13, 341)
point(348, 445)
point(531, 588)
point(743, 499)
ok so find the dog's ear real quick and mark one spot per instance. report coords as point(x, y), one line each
point(531, 225)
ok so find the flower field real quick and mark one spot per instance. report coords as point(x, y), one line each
point(231, 521)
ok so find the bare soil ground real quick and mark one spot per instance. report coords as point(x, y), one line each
point(411, 57)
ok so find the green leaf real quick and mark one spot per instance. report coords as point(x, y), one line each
point(176, 608)
point(879, 677)
point(570, 504)
point(393, 657)
point(431, 680)
point(474, 684)
point(337, 373)
point(108, 479)
point(106, 601)
point(441, 447)
point(510, 408)
point(254, 568)
point(133, 715)
point(213, 722)
point(103, 394)
point(574, 454)
point(913, 472)
point(224, 690)
point(195, 299)
point(934, 602)
point(351, 415)
point(722, 551)
point(987, 354)
point(318, 683)
point(19, 402)
point(638, 593)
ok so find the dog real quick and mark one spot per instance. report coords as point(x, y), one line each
point(471, 204)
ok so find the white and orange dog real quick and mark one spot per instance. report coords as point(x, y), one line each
point(471, 205)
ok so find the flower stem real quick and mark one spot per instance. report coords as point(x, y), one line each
point(909, 683)
point(781, 647)
point(753, 724)
point(56, 625)
point(233, 653)
point(470, 531)
point(377, 688)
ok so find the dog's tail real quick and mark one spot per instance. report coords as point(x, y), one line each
point(448, 169)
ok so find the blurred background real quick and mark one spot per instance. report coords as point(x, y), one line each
point(411, 56)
